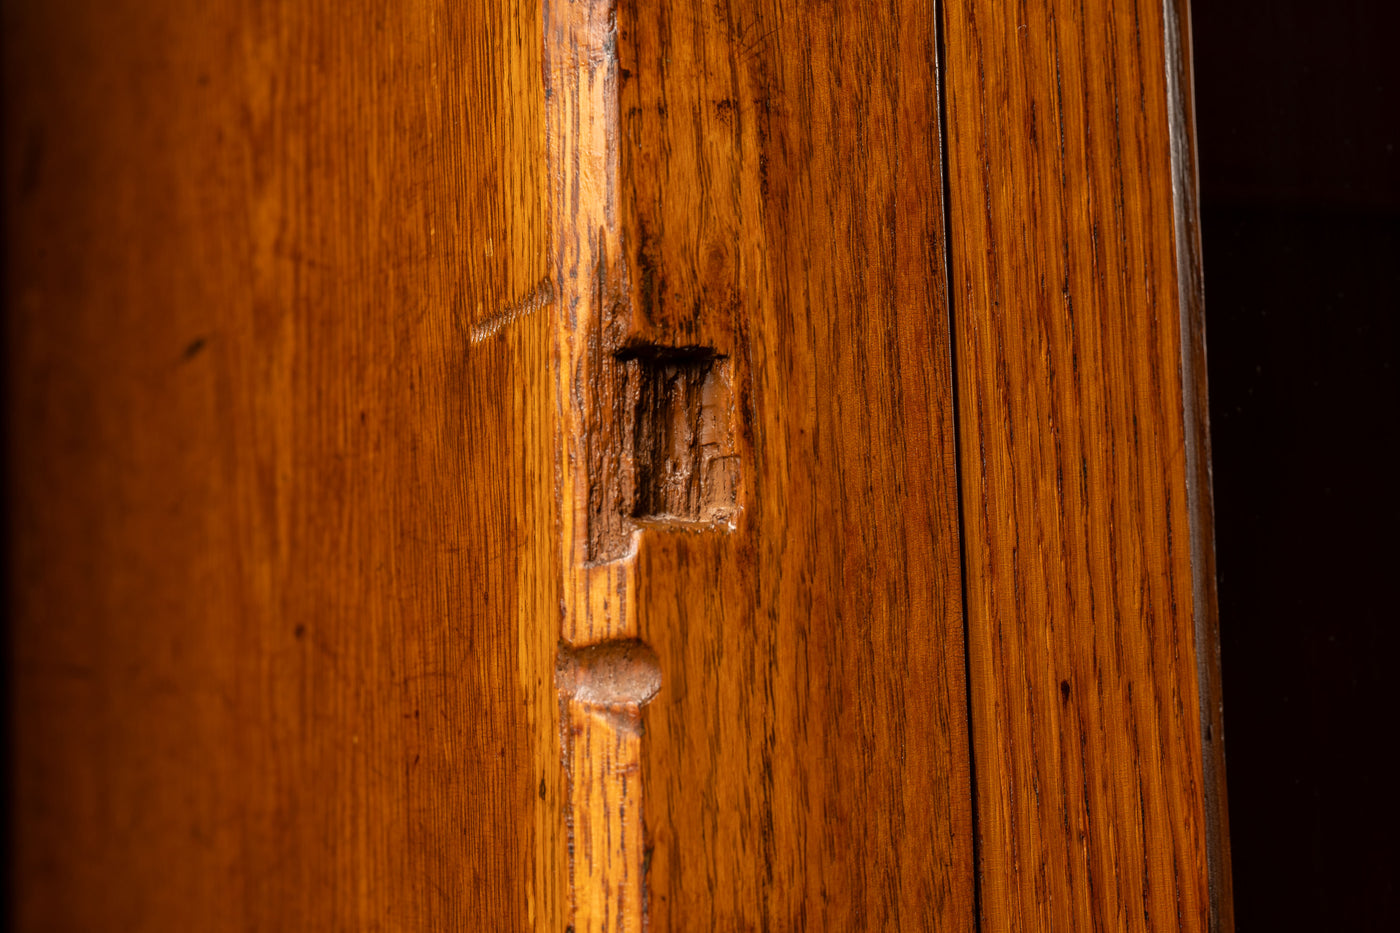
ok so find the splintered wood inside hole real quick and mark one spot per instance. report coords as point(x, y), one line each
point(684, 458)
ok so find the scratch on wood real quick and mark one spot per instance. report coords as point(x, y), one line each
point(536, 300)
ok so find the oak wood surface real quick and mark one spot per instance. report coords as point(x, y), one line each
point(605, 674)
point(492, 466)
point(1077, 468)
point(771, 200)
point(279, 527)
point(284, 456)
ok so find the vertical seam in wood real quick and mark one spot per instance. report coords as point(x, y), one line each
point(942, 102)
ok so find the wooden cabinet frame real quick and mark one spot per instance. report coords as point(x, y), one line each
point(604, 464)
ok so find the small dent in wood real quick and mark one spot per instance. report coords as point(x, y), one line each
point(193, 349)
point(611, 675)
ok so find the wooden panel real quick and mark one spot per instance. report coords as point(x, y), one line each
point(1081, 464)
point(756, 470)
point(280, 467)
point(285, 450)
point(805, 761)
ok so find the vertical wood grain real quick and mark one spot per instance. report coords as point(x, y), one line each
point(280, 483)
point(600, 702)
point(401, 397)
point(1077, 468)
point(805, 760)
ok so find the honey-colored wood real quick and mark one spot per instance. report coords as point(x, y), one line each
point(1080, 399)
point(280, 467)
point(289, 471)
point(805, 760)
point(602, 727)
point(756, 469)
point(492, 466)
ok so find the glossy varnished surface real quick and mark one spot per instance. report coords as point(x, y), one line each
point(494, 467)
point(1076, 470)
point(279, 525)
point(285, 457)
point(804, 763)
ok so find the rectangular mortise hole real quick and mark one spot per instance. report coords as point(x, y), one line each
point(685, 464)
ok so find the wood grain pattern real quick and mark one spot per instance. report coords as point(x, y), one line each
point(285, 450)
point(280, 467)
point(601, 699)
point(781, 527)
point(805, 761)
point(1077, 469)
point(493, 466)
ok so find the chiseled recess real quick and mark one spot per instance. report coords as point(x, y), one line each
point(646, 438)
point(601, 760)
point(604, 673)
point(685, 469)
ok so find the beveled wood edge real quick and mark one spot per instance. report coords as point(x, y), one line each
point(1181, 120)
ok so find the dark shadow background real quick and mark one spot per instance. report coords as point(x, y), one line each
point(1298, 121)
